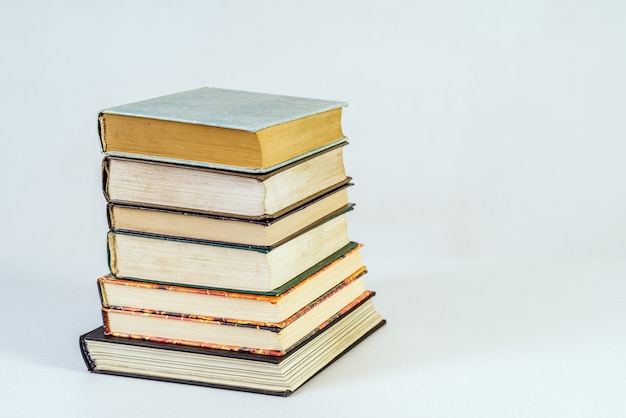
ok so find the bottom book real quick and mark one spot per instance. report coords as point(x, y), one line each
point(275, 375)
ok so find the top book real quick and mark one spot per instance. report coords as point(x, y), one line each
point(224, 129)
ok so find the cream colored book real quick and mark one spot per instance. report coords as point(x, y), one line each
point(206, 264)
point(195, 189)
point(246, 232)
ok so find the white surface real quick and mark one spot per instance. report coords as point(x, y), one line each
point(483, 338)
point(492, 131)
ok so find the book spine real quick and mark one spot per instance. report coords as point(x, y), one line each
point(111, 254)
point(101, 129)
point(105, 178)
point(102, 292)
point(110, 216)
point(91, 365)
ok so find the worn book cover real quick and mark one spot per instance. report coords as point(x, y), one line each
point(222, 128)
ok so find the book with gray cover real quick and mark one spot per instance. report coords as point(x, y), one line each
point(213, 127)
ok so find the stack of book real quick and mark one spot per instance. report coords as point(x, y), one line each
point(230, 262)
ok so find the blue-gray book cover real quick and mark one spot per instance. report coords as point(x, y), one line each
point(222, 128)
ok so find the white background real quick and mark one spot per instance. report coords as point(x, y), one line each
point(487, 147)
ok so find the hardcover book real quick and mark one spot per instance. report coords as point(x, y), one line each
point(220, 128)
point(122, 293)
point(273, 338)
point(261, 233)
point(205, 190)
point(181, 261)
point(276, 375)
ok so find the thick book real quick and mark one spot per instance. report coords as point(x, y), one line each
point(205, 190)
point(181, 261)
point(122, 293)
point(221, 128)
point(246, 232)
point(106, 354)
point(273, 338)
